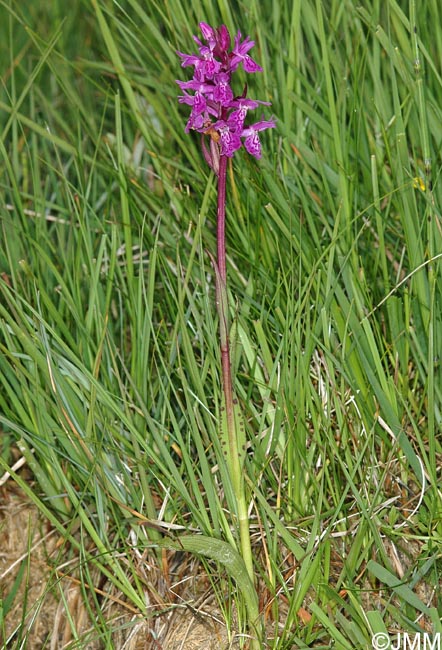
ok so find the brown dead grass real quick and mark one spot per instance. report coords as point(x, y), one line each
point(47, 598)
point(24, 542)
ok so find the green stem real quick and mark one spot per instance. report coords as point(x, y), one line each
point(235, 454)
point(232, 415)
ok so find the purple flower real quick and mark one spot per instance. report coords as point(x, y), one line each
point(197, 122)
point(242, 105)
point(189, 59)
point(223, 39)
point(222, 92)
point(229, 138)
point(197, 86)
point(199, 114)
point(252, 142)
point(216, 111)
point(208, 32)
point(240, 55)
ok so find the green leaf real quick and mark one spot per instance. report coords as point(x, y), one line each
point(401, 589)
point(228, 557)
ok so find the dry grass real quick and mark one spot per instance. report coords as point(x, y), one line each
point(186, 614)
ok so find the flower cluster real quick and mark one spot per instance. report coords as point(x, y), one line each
point(216, 111)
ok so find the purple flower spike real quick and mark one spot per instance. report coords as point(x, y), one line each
point(216, 111)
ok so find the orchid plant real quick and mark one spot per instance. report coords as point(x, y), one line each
point(219, 115)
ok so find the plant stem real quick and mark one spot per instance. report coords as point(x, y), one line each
point(221, 219)
point(235, 453)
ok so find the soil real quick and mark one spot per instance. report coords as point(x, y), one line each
point(39, 602)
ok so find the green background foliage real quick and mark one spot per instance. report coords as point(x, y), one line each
point(109, 366)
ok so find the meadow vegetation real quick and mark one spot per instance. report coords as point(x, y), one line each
point(109, 347)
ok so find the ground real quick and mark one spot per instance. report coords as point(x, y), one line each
point(40, 602)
